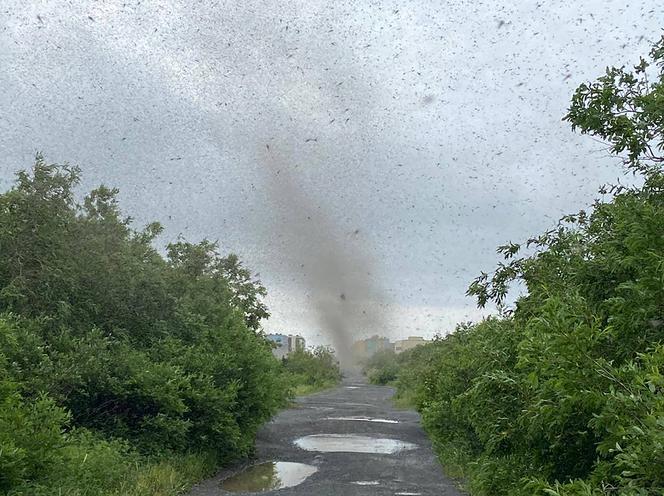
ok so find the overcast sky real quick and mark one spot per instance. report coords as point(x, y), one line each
point(422, 134)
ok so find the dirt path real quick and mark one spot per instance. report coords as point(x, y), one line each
point(412, 470)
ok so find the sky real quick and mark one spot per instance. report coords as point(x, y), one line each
point(367, 154)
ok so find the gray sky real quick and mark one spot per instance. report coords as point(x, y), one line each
point(422, 133)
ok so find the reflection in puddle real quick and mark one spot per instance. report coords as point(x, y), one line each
point(350, 443)
point(268, 476)
point(365, 419)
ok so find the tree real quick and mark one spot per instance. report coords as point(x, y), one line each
point(109, 351)
point(203, 259)
point(626, 108)
point(562, 395)
point(247, 290)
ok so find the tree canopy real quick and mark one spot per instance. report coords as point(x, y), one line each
point(110, 349)
point(563, 395)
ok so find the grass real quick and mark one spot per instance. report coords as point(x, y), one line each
point(403, 401)
point(305, 389)
point(169, 477)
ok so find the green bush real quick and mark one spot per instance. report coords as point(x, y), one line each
point(309, 371)
point(564, 394)
point(382, 367)
point(115, 357)
point(30, 437)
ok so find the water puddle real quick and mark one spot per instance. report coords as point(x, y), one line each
point(365, 419)
point(366, 483)
point(351, 443)
point(268, 477)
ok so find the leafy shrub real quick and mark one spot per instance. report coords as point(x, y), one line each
point(113, 355)
point(308, 371)
point(30, 437)
point(564, 394)
point(382, 367)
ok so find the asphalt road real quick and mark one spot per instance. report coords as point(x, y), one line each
point(414, 471)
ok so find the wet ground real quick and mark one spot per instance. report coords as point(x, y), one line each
point(349, 441)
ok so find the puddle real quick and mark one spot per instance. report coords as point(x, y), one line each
point(352, 387)
point(366, 483)
point(268, 477)
point(365, 419)
point(350, 443)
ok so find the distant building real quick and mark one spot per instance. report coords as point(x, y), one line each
point(298, 342)
point(366, 348)
point(286, 343)
point(407, 344)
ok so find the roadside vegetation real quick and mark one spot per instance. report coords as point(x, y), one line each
point(122, 371)
point(563, 395)
point(382, 367)
point(310, 371)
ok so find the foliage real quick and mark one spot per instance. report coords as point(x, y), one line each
point(382, 367)
point(246, 290)
point(626, 108)
point(308, 371)
point(113, 357)
point(564, 394)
